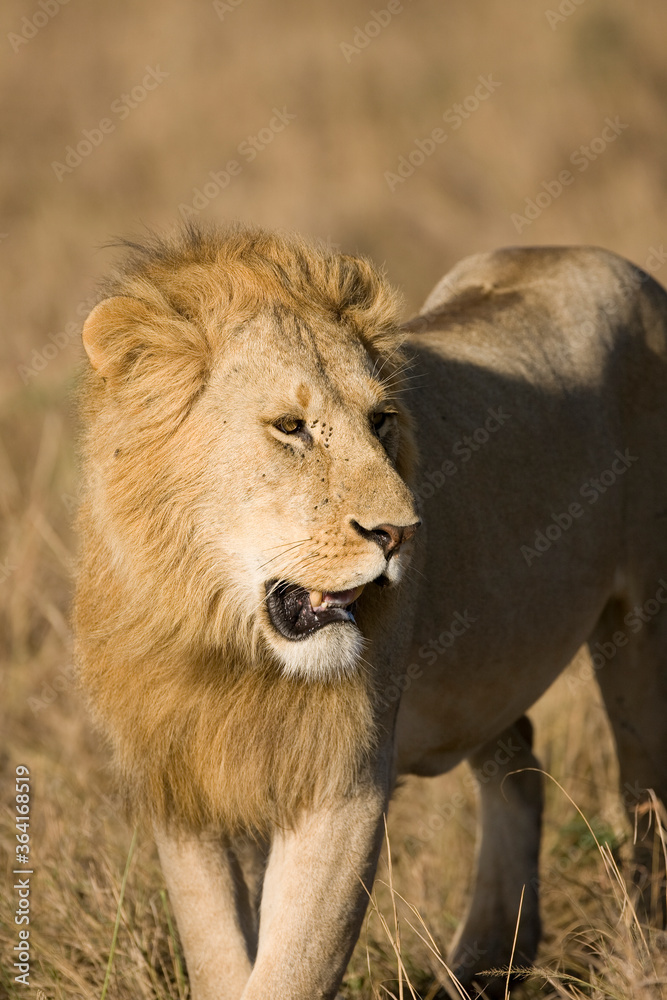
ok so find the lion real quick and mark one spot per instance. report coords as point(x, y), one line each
point(320, 551)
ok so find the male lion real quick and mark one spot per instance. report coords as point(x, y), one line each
point(245, 616)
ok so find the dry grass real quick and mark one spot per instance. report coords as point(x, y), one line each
point(322, 175)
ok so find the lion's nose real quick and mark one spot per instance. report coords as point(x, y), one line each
point(388, 536)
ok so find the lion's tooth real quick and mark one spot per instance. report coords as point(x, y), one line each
point(315, 598)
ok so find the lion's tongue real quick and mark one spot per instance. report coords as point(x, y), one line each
point(334, 598)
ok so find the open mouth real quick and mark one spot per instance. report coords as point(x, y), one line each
point(297, 613)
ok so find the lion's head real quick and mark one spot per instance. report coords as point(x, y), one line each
point(248, 450)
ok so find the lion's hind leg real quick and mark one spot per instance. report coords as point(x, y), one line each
point(507, 862)
point(629, 653)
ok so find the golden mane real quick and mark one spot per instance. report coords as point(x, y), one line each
point(203, 731)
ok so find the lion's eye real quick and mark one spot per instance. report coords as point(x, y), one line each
point(289, 425)
point(381, 420)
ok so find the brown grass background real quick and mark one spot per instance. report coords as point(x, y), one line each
point(324, 176)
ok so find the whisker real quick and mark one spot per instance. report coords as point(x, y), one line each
point(299, 541)
point(410, 572)
point(387, 359)
point(405, 366)
point(286, 548)
point(401, 376)
point(303, 565)
point(403, 379)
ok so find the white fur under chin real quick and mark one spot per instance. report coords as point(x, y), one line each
point(327, 655)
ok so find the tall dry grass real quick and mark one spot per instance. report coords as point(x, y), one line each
point(324, 174)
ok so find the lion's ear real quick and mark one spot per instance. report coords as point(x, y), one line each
point(114, 328)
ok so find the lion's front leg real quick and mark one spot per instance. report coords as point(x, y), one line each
point(214, 910)
point(315, 894)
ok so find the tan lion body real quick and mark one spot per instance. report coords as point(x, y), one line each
point(570, 346)
point(251, 432)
